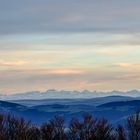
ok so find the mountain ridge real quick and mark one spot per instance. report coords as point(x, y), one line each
point(63, 94)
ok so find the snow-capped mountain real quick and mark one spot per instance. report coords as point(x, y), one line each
point(62, 94)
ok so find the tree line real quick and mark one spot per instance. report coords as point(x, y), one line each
point(89, 128)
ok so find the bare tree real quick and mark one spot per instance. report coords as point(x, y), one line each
point(47, 132)
point(120, 133)
point(34, 133)
point(57, 122)
point(134, 126)
point(87, 128)
point(103, 130)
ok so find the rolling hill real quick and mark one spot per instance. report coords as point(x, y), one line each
point(114, 108)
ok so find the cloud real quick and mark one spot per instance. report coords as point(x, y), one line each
point(12, 63)
point(69, 44)
point(24, 17)
point(66, 71)
point(68, 79)
point(127, 65)
point(104, 43)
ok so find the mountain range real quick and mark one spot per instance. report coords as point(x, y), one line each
point(62, 94)
point(115, 108)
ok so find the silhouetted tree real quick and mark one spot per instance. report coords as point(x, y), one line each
point(75, 130)
point(134, 126)
point(16, 129)
point(47, 132)
point(54, 130)
point(103, 130)
point(57, 122)
point(89, 124)
point(82, 130)
point(120, 133)
point(87, 128)
point(90, 129)
point(34, 133)
point(2, 128)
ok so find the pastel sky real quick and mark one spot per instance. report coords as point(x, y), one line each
point(69, 45)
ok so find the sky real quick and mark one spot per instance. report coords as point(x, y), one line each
point(69, 45)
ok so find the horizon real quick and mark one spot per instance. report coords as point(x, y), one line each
point(73, 90)
point(83, 94)
point(69, 45)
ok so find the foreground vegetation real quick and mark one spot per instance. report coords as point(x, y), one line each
point(13, 128)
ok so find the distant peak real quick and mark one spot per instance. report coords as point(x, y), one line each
point(135, 90)
point(51, 90)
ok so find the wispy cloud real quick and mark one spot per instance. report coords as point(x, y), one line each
point(127, 65)
point(69, 45)
point(12, 63)
point(69, 16)
point(43, 79)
